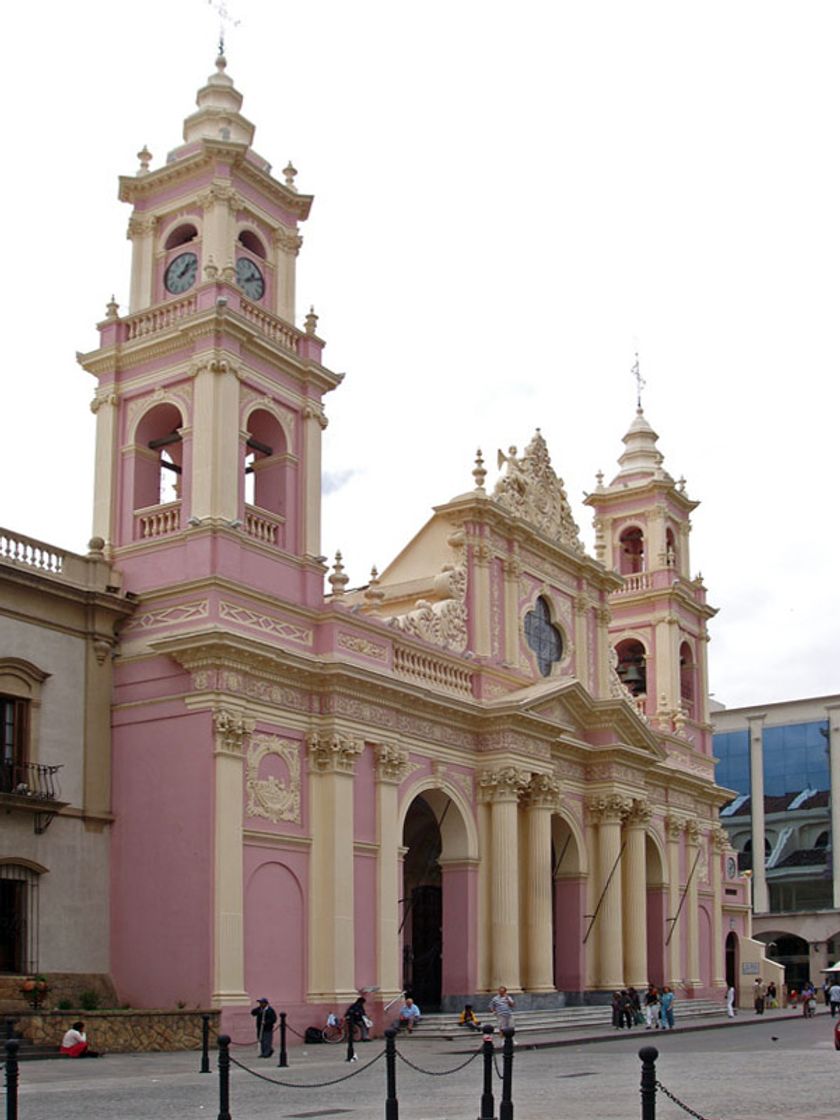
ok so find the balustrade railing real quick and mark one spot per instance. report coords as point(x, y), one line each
point(638, 581)
point(158, 318)
point(30, 779)
point(157, 521)
point(273, 328)
point(32, 553)
point(431, 670)
point(265, 527)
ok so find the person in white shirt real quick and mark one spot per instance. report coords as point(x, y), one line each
point(409, 1015)
point(75, 1044)
point(834, 998)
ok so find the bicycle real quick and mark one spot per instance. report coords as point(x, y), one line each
point(337, 1031)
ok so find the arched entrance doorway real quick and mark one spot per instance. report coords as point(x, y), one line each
point(656, 906)
point(732, 961)
point(437, 921)
point(569, 905)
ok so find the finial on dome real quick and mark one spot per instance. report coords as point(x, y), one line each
point(221, 61)
point(640, 382)
point(599, 478)
point(374, 593)
point(479, 471)
point(289, 171)
point(145, 157)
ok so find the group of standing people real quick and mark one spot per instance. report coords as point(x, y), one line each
point(658, 1008)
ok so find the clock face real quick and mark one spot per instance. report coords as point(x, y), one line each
point(731, 868)
point(249, 278)
point(181, 273)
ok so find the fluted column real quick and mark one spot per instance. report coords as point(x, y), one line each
point(502, 789)
point(608, 811)
point(230, 732)
point(720, 845)
point(634, 882)
point(759, 875)
point(674, 827)
point(833, 713)
point(332, 758)
point(540, 800)
point(391, 768)
point(693, 842)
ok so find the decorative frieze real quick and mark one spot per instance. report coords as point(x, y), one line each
point(264, 623)
point(331, 752)
point(271, 797)
point(354, 643)
point(168, 616)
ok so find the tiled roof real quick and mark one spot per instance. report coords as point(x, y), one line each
point(780, 803)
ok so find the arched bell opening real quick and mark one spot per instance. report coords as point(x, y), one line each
point(267, 482)
point(631, 551)
point(632, 666)
point(437, 921)
point(154, 473)
point(688, 681)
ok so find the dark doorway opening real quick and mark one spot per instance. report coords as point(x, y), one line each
point(732, 963)
point(422, 922)
point(12, 926)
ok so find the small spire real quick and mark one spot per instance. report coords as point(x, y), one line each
point(599, 478)
point(145, 157)
point(640, 382)
point(289, 171)
point(681, 484)
point(373, 592)
point(112, 308)
point(339, 578)
point(310, 322)
point(479, 471)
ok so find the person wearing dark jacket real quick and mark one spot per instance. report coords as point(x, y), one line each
point(266, 1017)
point(355, 1015)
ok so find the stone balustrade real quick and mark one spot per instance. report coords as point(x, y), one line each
point(157, 521)
point(265, 527)
point(155, 319)
point(417, 666)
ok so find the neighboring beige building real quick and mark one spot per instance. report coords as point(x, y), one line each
point(58, 613)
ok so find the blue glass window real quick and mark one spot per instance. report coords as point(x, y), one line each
point(543, 636)
point(795, 758)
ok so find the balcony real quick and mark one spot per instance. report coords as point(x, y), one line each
point(31, 787)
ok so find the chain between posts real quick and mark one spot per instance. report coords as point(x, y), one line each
point(438, 1072)
point(678, 1102)
point(308, 1085)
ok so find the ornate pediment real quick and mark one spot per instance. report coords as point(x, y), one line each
point(530, 489)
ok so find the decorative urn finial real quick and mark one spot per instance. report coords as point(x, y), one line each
point(339, 578)
point(479, 471)
point(145, 157)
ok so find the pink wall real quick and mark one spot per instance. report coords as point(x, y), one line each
point(460, 894)
point(364, 912)
point(569, 950)
point(657, 901)
point(162, 853)
point(275, 964)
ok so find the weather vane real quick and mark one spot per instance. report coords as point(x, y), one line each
point(640, 381)
point(221, 10)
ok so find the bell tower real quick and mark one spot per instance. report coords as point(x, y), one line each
point(659, 615)
point(209, 400)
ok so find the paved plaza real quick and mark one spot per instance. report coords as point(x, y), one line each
point(777, 1066)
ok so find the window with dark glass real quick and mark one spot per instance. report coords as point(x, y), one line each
point(14, 729)
point(543, 636)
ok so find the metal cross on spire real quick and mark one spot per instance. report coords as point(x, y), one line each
point(221, 9)
point(640, 381)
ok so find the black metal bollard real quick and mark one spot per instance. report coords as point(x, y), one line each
point(205, 1044)
point(351, 1053)
point(488, 1105)
point(224, 1077)
point(283, 1060)
point(392, 1105)
point(12, 1079)
point(10, 1028)
point(506, 1107)
point(648, 1054)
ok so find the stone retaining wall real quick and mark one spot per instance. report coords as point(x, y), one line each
point(122, 1032)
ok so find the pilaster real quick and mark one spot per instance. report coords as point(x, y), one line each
point(512, 573)
point(287, 243)
point(231, 729)
point(314, 424)
point(216, 446)
point(481, 555)
point(141, 232)
point(582, 608)
point(391, 768)
point(104, 407)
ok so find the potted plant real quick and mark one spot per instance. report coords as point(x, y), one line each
point(34, 989)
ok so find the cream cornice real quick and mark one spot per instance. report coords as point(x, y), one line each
point(275, 840)
point(641, 489)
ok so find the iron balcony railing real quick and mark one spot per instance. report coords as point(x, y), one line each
point(30, 779)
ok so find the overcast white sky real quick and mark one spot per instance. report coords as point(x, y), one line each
point(510, 199)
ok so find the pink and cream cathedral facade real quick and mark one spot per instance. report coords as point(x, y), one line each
point(492, 764)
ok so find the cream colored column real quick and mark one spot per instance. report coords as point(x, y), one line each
point(674, 827)
point(602, 650)
point(391, 767)
point(481, 600)
point(216, 462)
point(104, 407)
point(720, 845)
point(485, 855)
point(691, 907)
point(833, 714)
point(141, 230)
point(504, 787)
point(541, 799)
point(314, 423)
point(513, 571)
point(609, 810)
point(590, 962)
point(702, 704)
point(231, 730)
point(287, 245)
point(582, 607)
point(755, 725)
point(332, 760)
point(634, 884)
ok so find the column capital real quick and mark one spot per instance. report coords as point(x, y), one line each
point(674, 827)
point(331, 752)
point(288, 240)
point(608, 808)
point(542, 792)
point(692, 832)
point(719, 838)
point(391, 763)
point(639, 813)
point(505, 784)
point(231, 728)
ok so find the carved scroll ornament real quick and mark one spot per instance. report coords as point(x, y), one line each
point(531, 490)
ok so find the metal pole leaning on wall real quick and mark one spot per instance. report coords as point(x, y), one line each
point(392, 1105)
point(488, 1106)
point(12, 1078)
point(205, 1044)
point(648, 1054)
point(506, 1107)
point(351, 1053)
point(224, 1077)
point(283, 1060)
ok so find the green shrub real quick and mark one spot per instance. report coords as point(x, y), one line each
point(89, 1000)
point(65, 1005)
